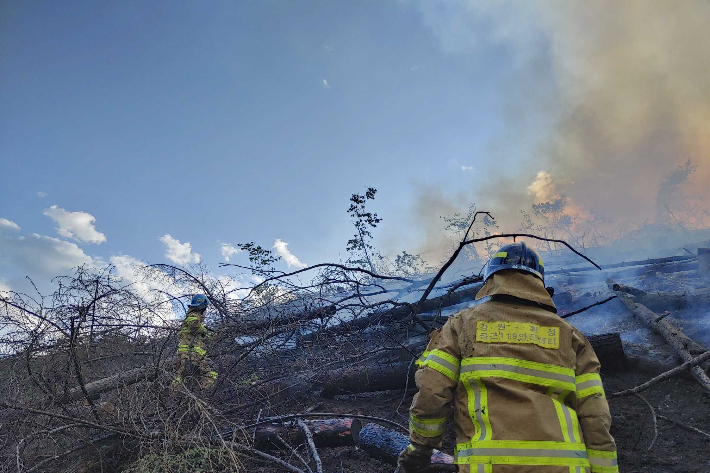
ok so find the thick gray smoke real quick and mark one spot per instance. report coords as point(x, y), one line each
point(630, 109)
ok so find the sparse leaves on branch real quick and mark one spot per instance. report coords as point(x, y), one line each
point(359, 245)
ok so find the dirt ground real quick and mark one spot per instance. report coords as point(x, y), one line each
point(675, 450)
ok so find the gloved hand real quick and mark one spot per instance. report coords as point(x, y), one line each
point(414, 459)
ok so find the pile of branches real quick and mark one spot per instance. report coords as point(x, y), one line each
point(88, 372)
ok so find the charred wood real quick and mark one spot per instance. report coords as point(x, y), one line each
point(683, 346)
point(326, 433)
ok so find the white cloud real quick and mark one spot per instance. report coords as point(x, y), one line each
point(281, 248)
point(4, 287)
point(228, 250)
point(41, 194)
point(180, 253)
point(76, 225)
point(325, 84)
point(467, 168)
point(5, 223)
point(39, 255)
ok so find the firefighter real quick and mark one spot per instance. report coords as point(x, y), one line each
point(524, 384)
point(192, 345)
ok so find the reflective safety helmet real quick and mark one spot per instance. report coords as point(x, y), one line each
point(515, 256)
point(199, 301)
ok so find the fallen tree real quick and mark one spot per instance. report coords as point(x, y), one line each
point(684, 347)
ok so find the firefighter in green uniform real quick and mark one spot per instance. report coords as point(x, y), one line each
point(192, 345)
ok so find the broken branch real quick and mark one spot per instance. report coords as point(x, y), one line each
point(664, 376)
point(588, 307)
point(311, 444)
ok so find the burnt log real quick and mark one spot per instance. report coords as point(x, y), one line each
point(684, 347)
point(326, 433)
point(386, 445)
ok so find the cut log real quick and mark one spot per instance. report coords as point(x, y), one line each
point(386, 445)
point(683, 346)
point(326, 433)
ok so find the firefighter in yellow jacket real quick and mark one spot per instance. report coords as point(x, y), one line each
point(192, 346)
point(524, 384)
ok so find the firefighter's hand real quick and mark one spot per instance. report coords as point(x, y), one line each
point(414, 459)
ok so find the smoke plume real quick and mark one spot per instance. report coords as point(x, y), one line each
point(627, 106)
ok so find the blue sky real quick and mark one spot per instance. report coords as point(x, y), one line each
point(234, 121)
point(231, 121)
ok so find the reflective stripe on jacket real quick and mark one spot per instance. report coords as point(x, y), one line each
point(193, 333)
point(525, 386)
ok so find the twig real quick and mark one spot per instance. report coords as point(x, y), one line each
point(664, 376)
point(265, 456)
point(294, 452)
point(655, 422)
point(253, 437)
point(311, 444)
point(83, 422)
point(67, 452)
point(406, 386)
point(588, 307)
point(685, 426)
